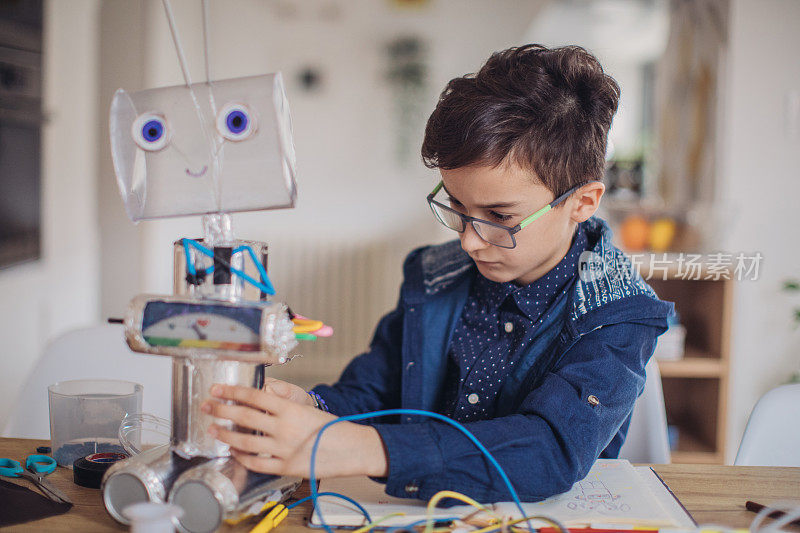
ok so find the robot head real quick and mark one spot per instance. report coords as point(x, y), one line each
point(223, 146)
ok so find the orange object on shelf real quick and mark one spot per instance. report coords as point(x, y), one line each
point(634, 232)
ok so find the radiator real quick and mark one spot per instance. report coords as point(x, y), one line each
point(348, 285)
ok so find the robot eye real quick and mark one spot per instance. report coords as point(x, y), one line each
point(150, 132)
point(236, 122)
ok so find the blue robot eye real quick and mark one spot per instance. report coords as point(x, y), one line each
point(235, 122)
point(150, 132)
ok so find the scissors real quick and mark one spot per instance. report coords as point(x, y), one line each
point(36, 467)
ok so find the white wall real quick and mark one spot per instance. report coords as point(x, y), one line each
point(759, 176)
point(60, 291)
point(624, 35)
point(121, 63)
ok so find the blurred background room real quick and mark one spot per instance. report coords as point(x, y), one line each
point(703, 166)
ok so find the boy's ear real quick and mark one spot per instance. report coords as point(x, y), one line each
point(586, 200)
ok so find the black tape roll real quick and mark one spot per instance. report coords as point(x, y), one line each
point(88, 471)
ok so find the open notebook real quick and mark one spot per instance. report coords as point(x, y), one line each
point(613, 493)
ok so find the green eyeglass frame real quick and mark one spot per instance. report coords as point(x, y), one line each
point(471, 220)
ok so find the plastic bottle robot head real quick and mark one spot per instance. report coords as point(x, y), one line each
point(224, 146)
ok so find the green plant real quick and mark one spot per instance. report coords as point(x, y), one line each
point(793, 286)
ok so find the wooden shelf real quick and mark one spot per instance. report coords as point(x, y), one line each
point(692, 367)
point(693, 450)
point(699, 457)
point(696, 386)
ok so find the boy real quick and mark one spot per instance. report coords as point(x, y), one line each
point(496, 330)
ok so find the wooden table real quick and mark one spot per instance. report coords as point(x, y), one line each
point(711, 493)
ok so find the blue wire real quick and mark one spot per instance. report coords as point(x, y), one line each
point(337, 495)
point(265, 287)
point(386, 412)
point(258, 265)
point(189, 262)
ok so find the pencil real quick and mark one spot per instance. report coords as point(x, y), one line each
point(757, 507)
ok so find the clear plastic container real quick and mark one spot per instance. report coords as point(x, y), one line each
point(140, 432)
point(85, 416)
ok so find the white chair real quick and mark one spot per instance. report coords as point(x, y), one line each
point(772, 435)
point(97, 352)
point(647, 440)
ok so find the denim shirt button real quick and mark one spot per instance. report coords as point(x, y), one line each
point(509, 327)
point(592, 400)
point(409, 365)
point(412, 488)
point(473, 398)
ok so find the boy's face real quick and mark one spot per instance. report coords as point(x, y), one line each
point(506, 195)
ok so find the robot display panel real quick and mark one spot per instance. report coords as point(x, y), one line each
point(202, 326)
point(186, 326)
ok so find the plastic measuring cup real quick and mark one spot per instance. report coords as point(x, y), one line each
point(85, 415)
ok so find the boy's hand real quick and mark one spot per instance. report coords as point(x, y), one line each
point(289, 430)
point(290, 391)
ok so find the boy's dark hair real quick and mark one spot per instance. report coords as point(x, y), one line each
point(548, 110)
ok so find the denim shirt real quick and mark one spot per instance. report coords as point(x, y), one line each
point(497, 324)
point(567, 401)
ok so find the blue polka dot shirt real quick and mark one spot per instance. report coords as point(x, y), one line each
point(499, 319)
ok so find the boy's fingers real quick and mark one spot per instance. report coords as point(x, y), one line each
point(263, 399)
point(278, 387)
point(241, 415)
point(259, 463)
point(245, 442)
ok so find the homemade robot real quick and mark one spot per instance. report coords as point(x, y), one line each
point(207, 149)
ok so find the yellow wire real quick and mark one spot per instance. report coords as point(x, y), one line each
point(364, 529)
point(307, 328)
point(306, 325)
point(524, 519)
point(456, 496)
point(466, 499)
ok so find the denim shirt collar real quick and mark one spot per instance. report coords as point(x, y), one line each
point(440, 268)
point(536, 297)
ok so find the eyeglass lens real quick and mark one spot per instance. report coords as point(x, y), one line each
point(488, 232)
point(449, 218)
point(493, 234)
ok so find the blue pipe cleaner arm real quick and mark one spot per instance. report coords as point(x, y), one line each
point(265, 285)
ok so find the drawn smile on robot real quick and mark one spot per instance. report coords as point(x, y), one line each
point(197, 174)
point(194, 164)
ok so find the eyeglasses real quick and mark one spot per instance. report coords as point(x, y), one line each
point(491, 232)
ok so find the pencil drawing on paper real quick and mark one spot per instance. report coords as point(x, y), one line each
point(596, 496)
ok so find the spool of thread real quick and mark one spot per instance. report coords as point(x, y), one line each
point(88, 471)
